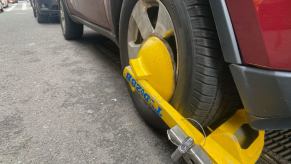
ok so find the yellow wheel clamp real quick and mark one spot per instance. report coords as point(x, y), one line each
point(151, 74)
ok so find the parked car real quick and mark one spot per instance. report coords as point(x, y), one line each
point(5, 3)
point(45, 9)
point(13, 1)
point(224, 58)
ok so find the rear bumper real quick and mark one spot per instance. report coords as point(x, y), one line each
point(49, 13)
point(47, 8)
point(266, 95)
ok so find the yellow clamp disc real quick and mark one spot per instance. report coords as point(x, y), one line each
point(154, 64)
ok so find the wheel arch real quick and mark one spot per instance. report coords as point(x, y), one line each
point(226, 34)
point(116, 6)
point(225, 31)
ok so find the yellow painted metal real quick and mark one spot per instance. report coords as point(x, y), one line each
point(154, 64)
point(221, 145)
point(224, 136)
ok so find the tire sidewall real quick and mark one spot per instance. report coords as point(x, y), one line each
point(185, 51)
point(71, 30)
point(34, 12)
point(39, 17)
point(65, 21)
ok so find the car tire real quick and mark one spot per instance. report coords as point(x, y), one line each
point(204, 89)
point(71, 30)
point(1, 8)
point(34, 13)
point(41, 18)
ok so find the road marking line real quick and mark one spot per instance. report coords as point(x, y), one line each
point(24, 6)
point(11, 8)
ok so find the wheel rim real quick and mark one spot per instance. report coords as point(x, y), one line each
point(62, 17)
point(151, 18)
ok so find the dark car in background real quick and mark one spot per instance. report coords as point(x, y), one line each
point(45, 10)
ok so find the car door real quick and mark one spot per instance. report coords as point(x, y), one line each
point(96, 11)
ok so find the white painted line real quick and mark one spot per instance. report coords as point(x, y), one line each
point(10, 8)
point(24, 6)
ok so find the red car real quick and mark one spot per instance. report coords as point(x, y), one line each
point(226, 54)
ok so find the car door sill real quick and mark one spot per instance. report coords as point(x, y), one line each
point(96, 28)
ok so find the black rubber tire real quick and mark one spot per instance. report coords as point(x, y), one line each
point(143, 109)
point(34, 13)
point(72, 30)
point(205, 90)
point(40, 18)
point(1, 8)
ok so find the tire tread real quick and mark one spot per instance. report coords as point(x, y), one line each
point(73, 30)
point(212, 81)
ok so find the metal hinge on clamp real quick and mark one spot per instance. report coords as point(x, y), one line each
point(186, 148)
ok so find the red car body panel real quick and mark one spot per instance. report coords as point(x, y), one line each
point(263, 30)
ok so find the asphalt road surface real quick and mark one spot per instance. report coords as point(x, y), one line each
point(65, 101)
